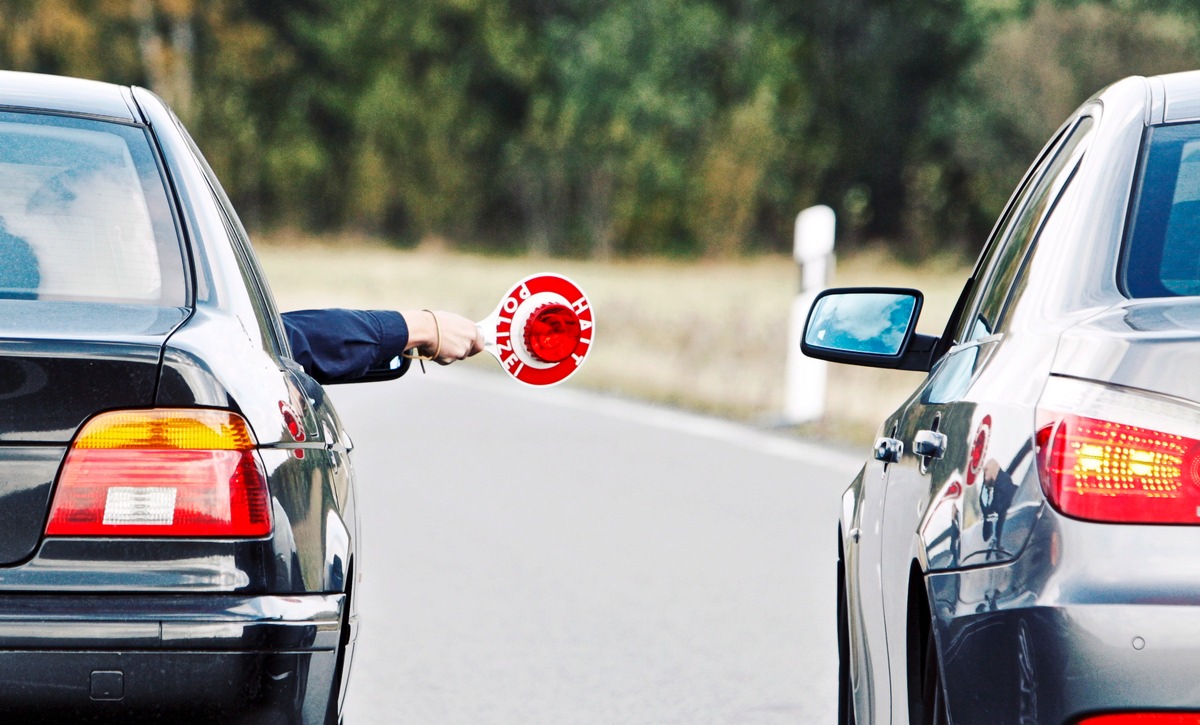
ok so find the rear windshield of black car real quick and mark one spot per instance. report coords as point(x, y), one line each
point(1162, 248)
point(84, 214)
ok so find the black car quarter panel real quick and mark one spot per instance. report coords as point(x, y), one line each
point(59, 363)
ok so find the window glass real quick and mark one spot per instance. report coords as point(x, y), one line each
point(1005, 261)
point(84, 214)
point(1162, 247)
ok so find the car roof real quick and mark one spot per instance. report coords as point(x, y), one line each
point(1179, 96)
point(65, 95)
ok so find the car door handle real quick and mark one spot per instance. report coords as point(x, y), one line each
point(888, 450)
point(929, 444)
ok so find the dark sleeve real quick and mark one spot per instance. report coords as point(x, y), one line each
point(340, 346)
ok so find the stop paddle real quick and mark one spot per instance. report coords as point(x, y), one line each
point(542, 330)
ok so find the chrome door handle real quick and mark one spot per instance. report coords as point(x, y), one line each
point(929, 444)
point(888, 450)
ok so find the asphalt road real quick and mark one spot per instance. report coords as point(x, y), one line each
point(549, 556)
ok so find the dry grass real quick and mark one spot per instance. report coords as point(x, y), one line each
point(706, 336)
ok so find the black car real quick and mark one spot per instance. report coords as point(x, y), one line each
point(1021, 547)
point(178, 521)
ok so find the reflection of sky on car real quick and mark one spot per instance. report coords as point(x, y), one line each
point(872, 323)
point(85, 221)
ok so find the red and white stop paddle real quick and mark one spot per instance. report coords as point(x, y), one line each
point(542, 330)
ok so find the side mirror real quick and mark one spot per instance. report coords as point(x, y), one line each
point(871, 326)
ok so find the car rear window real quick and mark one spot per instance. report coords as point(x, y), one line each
point(84, 214)
point(1162, 248)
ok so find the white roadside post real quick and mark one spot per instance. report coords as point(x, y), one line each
point(804, 390)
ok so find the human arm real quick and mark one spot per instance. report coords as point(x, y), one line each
point(339, 346)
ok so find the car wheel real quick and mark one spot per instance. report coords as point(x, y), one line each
point(845, 690)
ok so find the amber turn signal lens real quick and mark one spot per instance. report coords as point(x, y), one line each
point(211, 430)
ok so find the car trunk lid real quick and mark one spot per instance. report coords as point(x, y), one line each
point(60, 363)
point(1151, 345)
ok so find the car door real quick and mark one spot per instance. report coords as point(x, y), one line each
point(966, 437)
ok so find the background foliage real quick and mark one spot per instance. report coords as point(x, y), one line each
point(617, 128)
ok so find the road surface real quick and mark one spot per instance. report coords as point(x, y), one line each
point(551, 556)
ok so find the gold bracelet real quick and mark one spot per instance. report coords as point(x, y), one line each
point(437, 328)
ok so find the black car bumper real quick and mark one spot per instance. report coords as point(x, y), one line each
point(219, 658)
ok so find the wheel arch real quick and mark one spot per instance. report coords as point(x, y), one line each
point(923, 659)
point(920, 620)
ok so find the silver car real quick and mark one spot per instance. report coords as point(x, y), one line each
point(1024, 544)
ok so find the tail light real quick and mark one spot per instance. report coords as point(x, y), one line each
point(1109, 454)
point(166, 473)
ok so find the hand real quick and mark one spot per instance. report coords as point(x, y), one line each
point(460, 339)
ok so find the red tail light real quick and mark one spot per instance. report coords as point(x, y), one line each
point(175, 473)
point(1107, 454)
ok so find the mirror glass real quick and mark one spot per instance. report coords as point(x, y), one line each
point(864, 322)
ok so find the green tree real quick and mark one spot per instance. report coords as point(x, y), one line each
point(1036, 69)
point(758, 162)
point(414, 99)
point(659, 127)
point(207, 59)
point(883, 69)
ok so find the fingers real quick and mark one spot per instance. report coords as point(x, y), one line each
point(447, 336)
point(478, 343)
point(460, 338)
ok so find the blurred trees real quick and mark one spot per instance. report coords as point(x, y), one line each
point(1038, 66)
point(625, 127)
point(885, 68)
